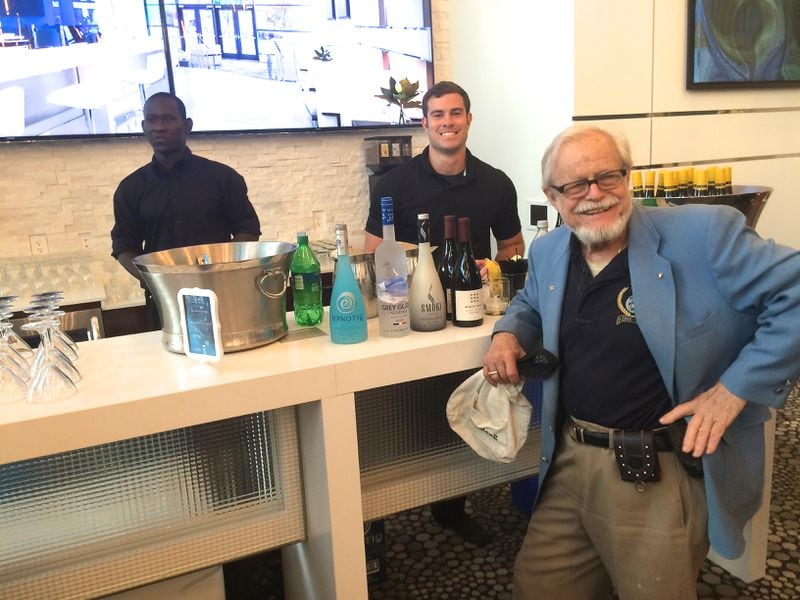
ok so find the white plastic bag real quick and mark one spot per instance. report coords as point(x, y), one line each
point(493, 421)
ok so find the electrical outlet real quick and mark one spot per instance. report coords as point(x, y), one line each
point(319, 219)
point(39, 245)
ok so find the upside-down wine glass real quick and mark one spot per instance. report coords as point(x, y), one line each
point(49, 381)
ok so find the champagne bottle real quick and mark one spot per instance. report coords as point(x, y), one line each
point(711, 177)
point(649, 192)
point(636, 183)
point(683, 183)
point(391, 278)
point(447, 261)
point(427, 304)
point(660, 191)
point(348, 318)
point(700, 183)
point(650, 184)
point(306, 284)
point(467, 284)
point(727, 181)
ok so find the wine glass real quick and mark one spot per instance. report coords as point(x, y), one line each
point(49, 382)
point(13, 369)
point(46, 304)
point(10, 336)
point(12, 387)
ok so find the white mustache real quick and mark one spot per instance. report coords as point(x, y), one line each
point(587, 206)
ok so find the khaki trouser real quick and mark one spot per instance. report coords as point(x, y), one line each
point(590, 530)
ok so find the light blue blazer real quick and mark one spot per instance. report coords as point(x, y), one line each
point(714, 302)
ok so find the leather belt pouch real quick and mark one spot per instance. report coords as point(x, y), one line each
point(692, 465)
point(636, 456)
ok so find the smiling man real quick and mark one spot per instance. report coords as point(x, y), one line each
point(446, 179)
point(177, 199)
point(656, 315)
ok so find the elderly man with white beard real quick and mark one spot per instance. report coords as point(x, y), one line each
point(653, 426)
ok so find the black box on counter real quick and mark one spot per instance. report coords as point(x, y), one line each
point(382, 153)
point(375, 549)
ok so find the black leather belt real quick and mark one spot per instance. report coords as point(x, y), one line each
point(601, 439)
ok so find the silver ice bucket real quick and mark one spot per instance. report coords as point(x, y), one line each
point(249, 279)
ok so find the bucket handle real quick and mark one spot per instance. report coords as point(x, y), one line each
point(263, 281)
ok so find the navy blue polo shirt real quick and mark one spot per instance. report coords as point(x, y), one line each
point(484, 194)
point(608, 375)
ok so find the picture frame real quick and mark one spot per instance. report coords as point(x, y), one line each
point(743, 45)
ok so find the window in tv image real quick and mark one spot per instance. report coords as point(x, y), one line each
point(84, 68)
point(743, 44)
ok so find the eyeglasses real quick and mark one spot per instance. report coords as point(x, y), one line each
point(605, 181)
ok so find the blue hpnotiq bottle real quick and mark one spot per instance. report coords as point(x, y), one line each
point(347, 315)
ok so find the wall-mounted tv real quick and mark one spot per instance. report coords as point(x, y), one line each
point(743, 44)
point(81, 68)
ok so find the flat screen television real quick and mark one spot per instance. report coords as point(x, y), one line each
point(82, 68)
point(743, 44)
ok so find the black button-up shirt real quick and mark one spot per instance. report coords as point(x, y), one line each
point(197, 201)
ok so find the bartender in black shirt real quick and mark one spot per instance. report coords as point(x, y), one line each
point(178, 199)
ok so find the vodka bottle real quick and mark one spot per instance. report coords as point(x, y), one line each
point(427, 303)
point(306, 284)
point(348, 318)
point(447, 261)
point(391, 278)
point(467, 284)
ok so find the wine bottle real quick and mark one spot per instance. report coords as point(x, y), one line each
point(447, 262)
point(306, 284)
point(391, 278)
point(348, 318)
point(467, 284)
point(427, 304)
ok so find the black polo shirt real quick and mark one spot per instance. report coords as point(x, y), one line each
point(197, 201)
point(608, 375)
point(484, 194)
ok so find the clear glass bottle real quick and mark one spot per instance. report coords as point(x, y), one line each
point(447, 262)
point(542, 227)
point(391, 278)
point(306, 284)
point(427, 305)
point(467, 284)
point(347, 318)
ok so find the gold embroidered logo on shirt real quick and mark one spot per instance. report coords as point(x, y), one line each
point(626, 306)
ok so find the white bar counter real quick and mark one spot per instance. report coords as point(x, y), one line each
point(132, 386)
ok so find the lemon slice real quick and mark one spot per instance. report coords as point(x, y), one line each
point(494, 272)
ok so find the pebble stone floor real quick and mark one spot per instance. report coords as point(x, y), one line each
point(427, 563)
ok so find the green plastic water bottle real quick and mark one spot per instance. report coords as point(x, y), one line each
point(306, 284)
